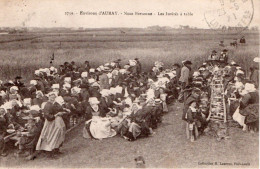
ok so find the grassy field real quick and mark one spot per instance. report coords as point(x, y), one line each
point(21, 54)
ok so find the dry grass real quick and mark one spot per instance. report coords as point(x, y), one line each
point(23, 57)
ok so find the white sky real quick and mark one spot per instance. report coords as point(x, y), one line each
point(51, 13)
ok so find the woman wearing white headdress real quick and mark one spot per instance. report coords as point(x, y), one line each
point(97, 127)
point(53, 132)
point(14, 94)
point(132, 68)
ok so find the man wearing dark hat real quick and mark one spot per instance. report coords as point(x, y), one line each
point(87, 66)
point(61, 70)
point(18, 82)
point(224, 57)
point(212, 57)
point(185, 73)
point(117, 63)
point(194, 96)
point(74, 67)
point(138, 66)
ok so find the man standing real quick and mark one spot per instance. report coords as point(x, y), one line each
point(138, 66)
point(177, 68)
point(87, 66)
point(117, 64)
point(185, 73)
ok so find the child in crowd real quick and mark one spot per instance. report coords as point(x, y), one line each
point(192, 122)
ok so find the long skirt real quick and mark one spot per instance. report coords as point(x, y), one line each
point(101, 128)
point(251, 112)
point(52, 135)
point(238, 117)
point(193, 128)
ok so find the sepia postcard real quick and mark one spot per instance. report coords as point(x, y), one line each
point(129, 83)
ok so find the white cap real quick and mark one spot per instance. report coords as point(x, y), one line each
point(47, 71)
point(16, 102)
point(8, 105)
point(92, 70)
point(67, 85)
point(113, 90)
point(14, 88)
point(172, 74)
point(84, 74)
point(55, 86)
point(2, 93)
point(232, 63)
point(27, 101)
point(150, 80)
point(118, 89)
point(158, 64)
point(4, 107)
point(239, 72)
point(123, 71)
point(95, 84)
point(67, 79)
point(196, 74)
point(91, 80)
point(52, 93)
point(33, 82)
point(93, 100)
point(132, 62)
point(39, 92)
point(37, 72)
point(59, 100)
point(112, 63)
point(35, 107)
point(76, 90)
point(109, 75)
point(115, 72)
point(101, 67)
point(257, 59)
point(202, 68)
point(10, 81)
point(239, 85)
point(126, 66)
point(250, 87)
point(105, 92)
point(53, 69)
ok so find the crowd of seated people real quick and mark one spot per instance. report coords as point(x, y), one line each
point(112, 100)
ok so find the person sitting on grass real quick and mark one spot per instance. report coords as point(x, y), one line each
point(29, 140)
